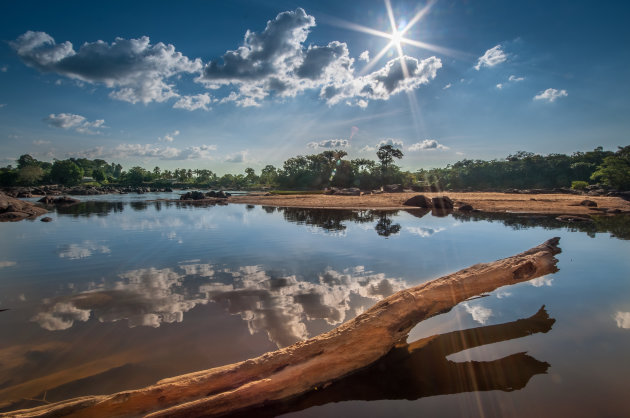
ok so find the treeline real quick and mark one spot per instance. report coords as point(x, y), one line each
point(522, 170)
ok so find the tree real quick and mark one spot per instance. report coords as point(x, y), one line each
point(30, 174)
point(268, 175)
point(386, 154)
point(66, 172)
point(99, 175)
point(615, 170)
point(136, 176)
point(26, 160)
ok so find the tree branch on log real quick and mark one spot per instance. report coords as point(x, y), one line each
point(318, 361)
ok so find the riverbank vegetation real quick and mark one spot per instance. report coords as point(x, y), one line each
point(522, 170)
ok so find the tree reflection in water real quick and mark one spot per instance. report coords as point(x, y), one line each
point(421, 369)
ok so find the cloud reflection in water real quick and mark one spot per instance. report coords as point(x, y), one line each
point(278, 305)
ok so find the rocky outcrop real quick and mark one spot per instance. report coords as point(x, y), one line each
point(588, 203)
point(63, 200)
point(350, 191)
point(442, 203)
point(12, 209)
point(197, 195)
point(419, 201)
point(465, 208)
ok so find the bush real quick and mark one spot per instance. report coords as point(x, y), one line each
point(579, 185)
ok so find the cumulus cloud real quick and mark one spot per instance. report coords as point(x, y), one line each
point(237, 157)
point(551, 95)
point(423, 231)
point(136, 70)
point(500, 86)
point(427, 144)
point(276, 61)
point(365, 56)
point(623, 319)
point(83, 250)
point(195, 102)
point(329, 143)
point(367, 148)
point(541, 281)
point(76, 122)
point(396, 143)
point(479, 313)
point(280, 306)
point(164, 153)
point(491, 57)
point(170, 137)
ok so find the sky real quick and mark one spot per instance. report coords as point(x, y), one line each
point(226, 85)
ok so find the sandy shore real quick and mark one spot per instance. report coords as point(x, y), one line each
point(550, 204)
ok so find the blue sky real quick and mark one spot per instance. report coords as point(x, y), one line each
point(229, 85)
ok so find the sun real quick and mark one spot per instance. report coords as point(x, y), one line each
point(397, 38)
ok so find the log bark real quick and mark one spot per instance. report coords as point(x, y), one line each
point(309, 364)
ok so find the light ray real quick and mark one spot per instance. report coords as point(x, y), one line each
point(435, 48)
point(418, 16)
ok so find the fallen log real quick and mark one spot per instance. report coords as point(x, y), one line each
point(305, 365)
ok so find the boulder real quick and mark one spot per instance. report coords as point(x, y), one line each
point(442, 202)
point(393, 188)
point(12, 209)
point(46, 219)
point(420, 201)
point(589, 203)
point(465, 208)
point(65, 200)
point(194, 195)
point(351, 191)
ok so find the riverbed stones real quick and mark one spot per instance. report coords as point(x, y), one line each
point(442, 202)
point(12, 209)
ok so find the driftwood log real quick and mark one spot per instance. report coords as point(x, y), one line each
point(314, 363)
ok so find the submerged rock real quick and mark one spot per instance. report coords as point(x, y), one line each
point(12, 209)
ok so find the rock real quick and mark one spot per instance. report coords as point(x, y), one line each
point(442, 202)
point(47, 200)
point(420, 201)
point(12, 209)
point(393, 188)
point(46, 219)
point(194, 195)
point(587, 202)
point(465, 208)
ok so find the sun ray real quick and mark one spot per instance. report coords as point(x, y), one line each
point(417, 17)
point(435, 48)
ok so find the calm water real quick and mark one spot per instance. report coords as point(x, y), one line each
point(116, 295)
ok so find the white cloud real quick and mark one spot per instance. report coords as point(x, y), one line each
point(329, 143)
point(2, 105)
point(365, 56)
point(238, 157)
point(367, 148)
point(396, 143)
point(135, 69)
point(76, 122)
point(499, 86)
point(541, 281)
point(170, 137)
point(479, 313)
point(515, 78)
point(427, 144)
point(195, 102)
point(4, 69)
point(550, 95)
point(83, 250)
point(41, 142)
point(164, 153)
point(7, 264)
point(422, 231)
point(623, 319)
point(275, 61)
point(448, 86)
point(491, 57)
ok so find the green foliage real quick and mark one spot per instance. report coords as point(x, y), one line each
point(66, 172)
point(579, 185)
point(615, 170)
point(30, 174)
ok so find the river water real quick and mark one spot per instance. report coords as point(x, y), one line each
point(121, 291)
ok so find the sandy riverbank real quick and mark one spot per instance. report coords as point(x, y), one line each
point(550, 204)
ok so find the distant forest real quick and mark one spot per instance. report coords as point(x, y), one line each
point(523, 170)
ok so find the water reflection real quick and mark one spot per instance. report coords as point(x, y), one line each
point(421, 369)
point(83, 250)
point(623, 319)
point(278, 305)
